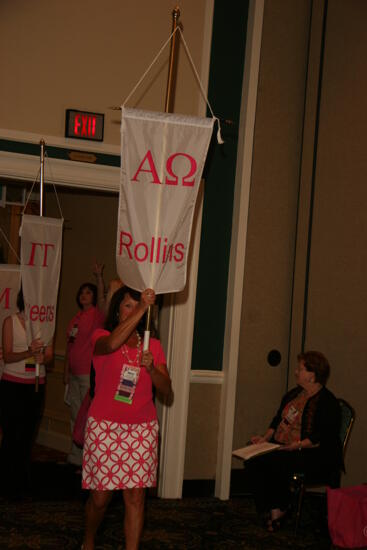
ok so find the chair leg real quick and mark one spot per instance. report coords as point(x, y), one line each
point(299, 506)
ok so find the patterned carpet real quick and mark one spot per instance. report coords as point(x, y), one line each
point(51, 517)
point(195, 523)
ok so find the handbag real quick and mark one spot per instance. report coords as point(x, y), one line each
point(347, 516)
point(81, 421)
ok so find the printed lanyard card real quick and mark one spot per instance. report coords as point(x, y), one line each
point(291, 415)
point(73, 333)
point(128, 381)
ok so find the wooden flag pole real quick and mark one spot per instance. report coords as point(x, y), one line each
point(168, 109)
point(42, 171)
point(172, 63)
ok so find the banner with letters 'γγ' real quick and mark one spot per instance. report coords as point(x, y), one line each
point(162, 159)
point(9, 288)
point(40, 259)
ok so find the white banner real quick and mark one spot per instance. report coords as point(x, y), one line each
point(162, 159)
point(9, 288)
point(40, 258)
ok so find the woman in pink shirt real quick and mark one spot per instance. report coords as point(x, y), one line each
point(79, 354)
point(121, 439)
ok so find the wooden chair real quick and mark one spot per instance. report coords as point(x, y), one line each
point(299, 484)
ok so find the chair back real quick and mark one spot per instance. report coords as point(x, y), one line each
point(347, 419)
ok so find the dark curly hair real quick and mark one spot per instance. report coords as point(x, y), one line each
point(113, 315)
point(317, 363)
point(91, 287)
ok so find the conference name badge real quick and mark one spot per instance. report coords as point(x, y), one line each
point(73, 333)
point(128, 381)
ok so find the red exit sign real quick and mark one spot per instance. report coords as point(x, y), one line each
point(84, 125)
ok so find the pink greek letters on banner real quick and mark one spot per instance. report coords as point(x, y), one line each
point(169, 167)
point(9, 288)
point(41, 241)
point(44, 248)
point(155, 221)
point(5, 297)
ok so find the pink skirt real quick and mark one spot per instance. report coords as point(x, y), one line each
point(120, 456)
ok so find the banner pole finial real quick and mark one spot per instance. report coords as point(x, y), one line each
point(172, 62)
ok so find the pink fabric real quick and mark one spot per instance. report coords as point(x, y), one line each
point(108, 370)
point(80, 351)
point(120, 456)
point(347, 516)
point(11, 378)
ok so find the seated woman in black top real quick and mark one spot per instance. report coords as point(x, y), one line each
point(307, 425)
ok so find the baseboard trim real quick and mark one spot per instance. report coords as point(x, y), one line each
point(198, 488)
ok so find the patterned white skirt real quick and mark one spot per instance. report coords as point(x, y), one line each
point(120, 456)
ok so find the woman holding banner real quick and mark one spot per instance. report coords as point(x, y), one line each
point(20, 405)
point(121, 439)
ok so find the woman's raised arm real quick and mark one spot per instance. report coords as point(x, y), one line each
point(112, 342)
